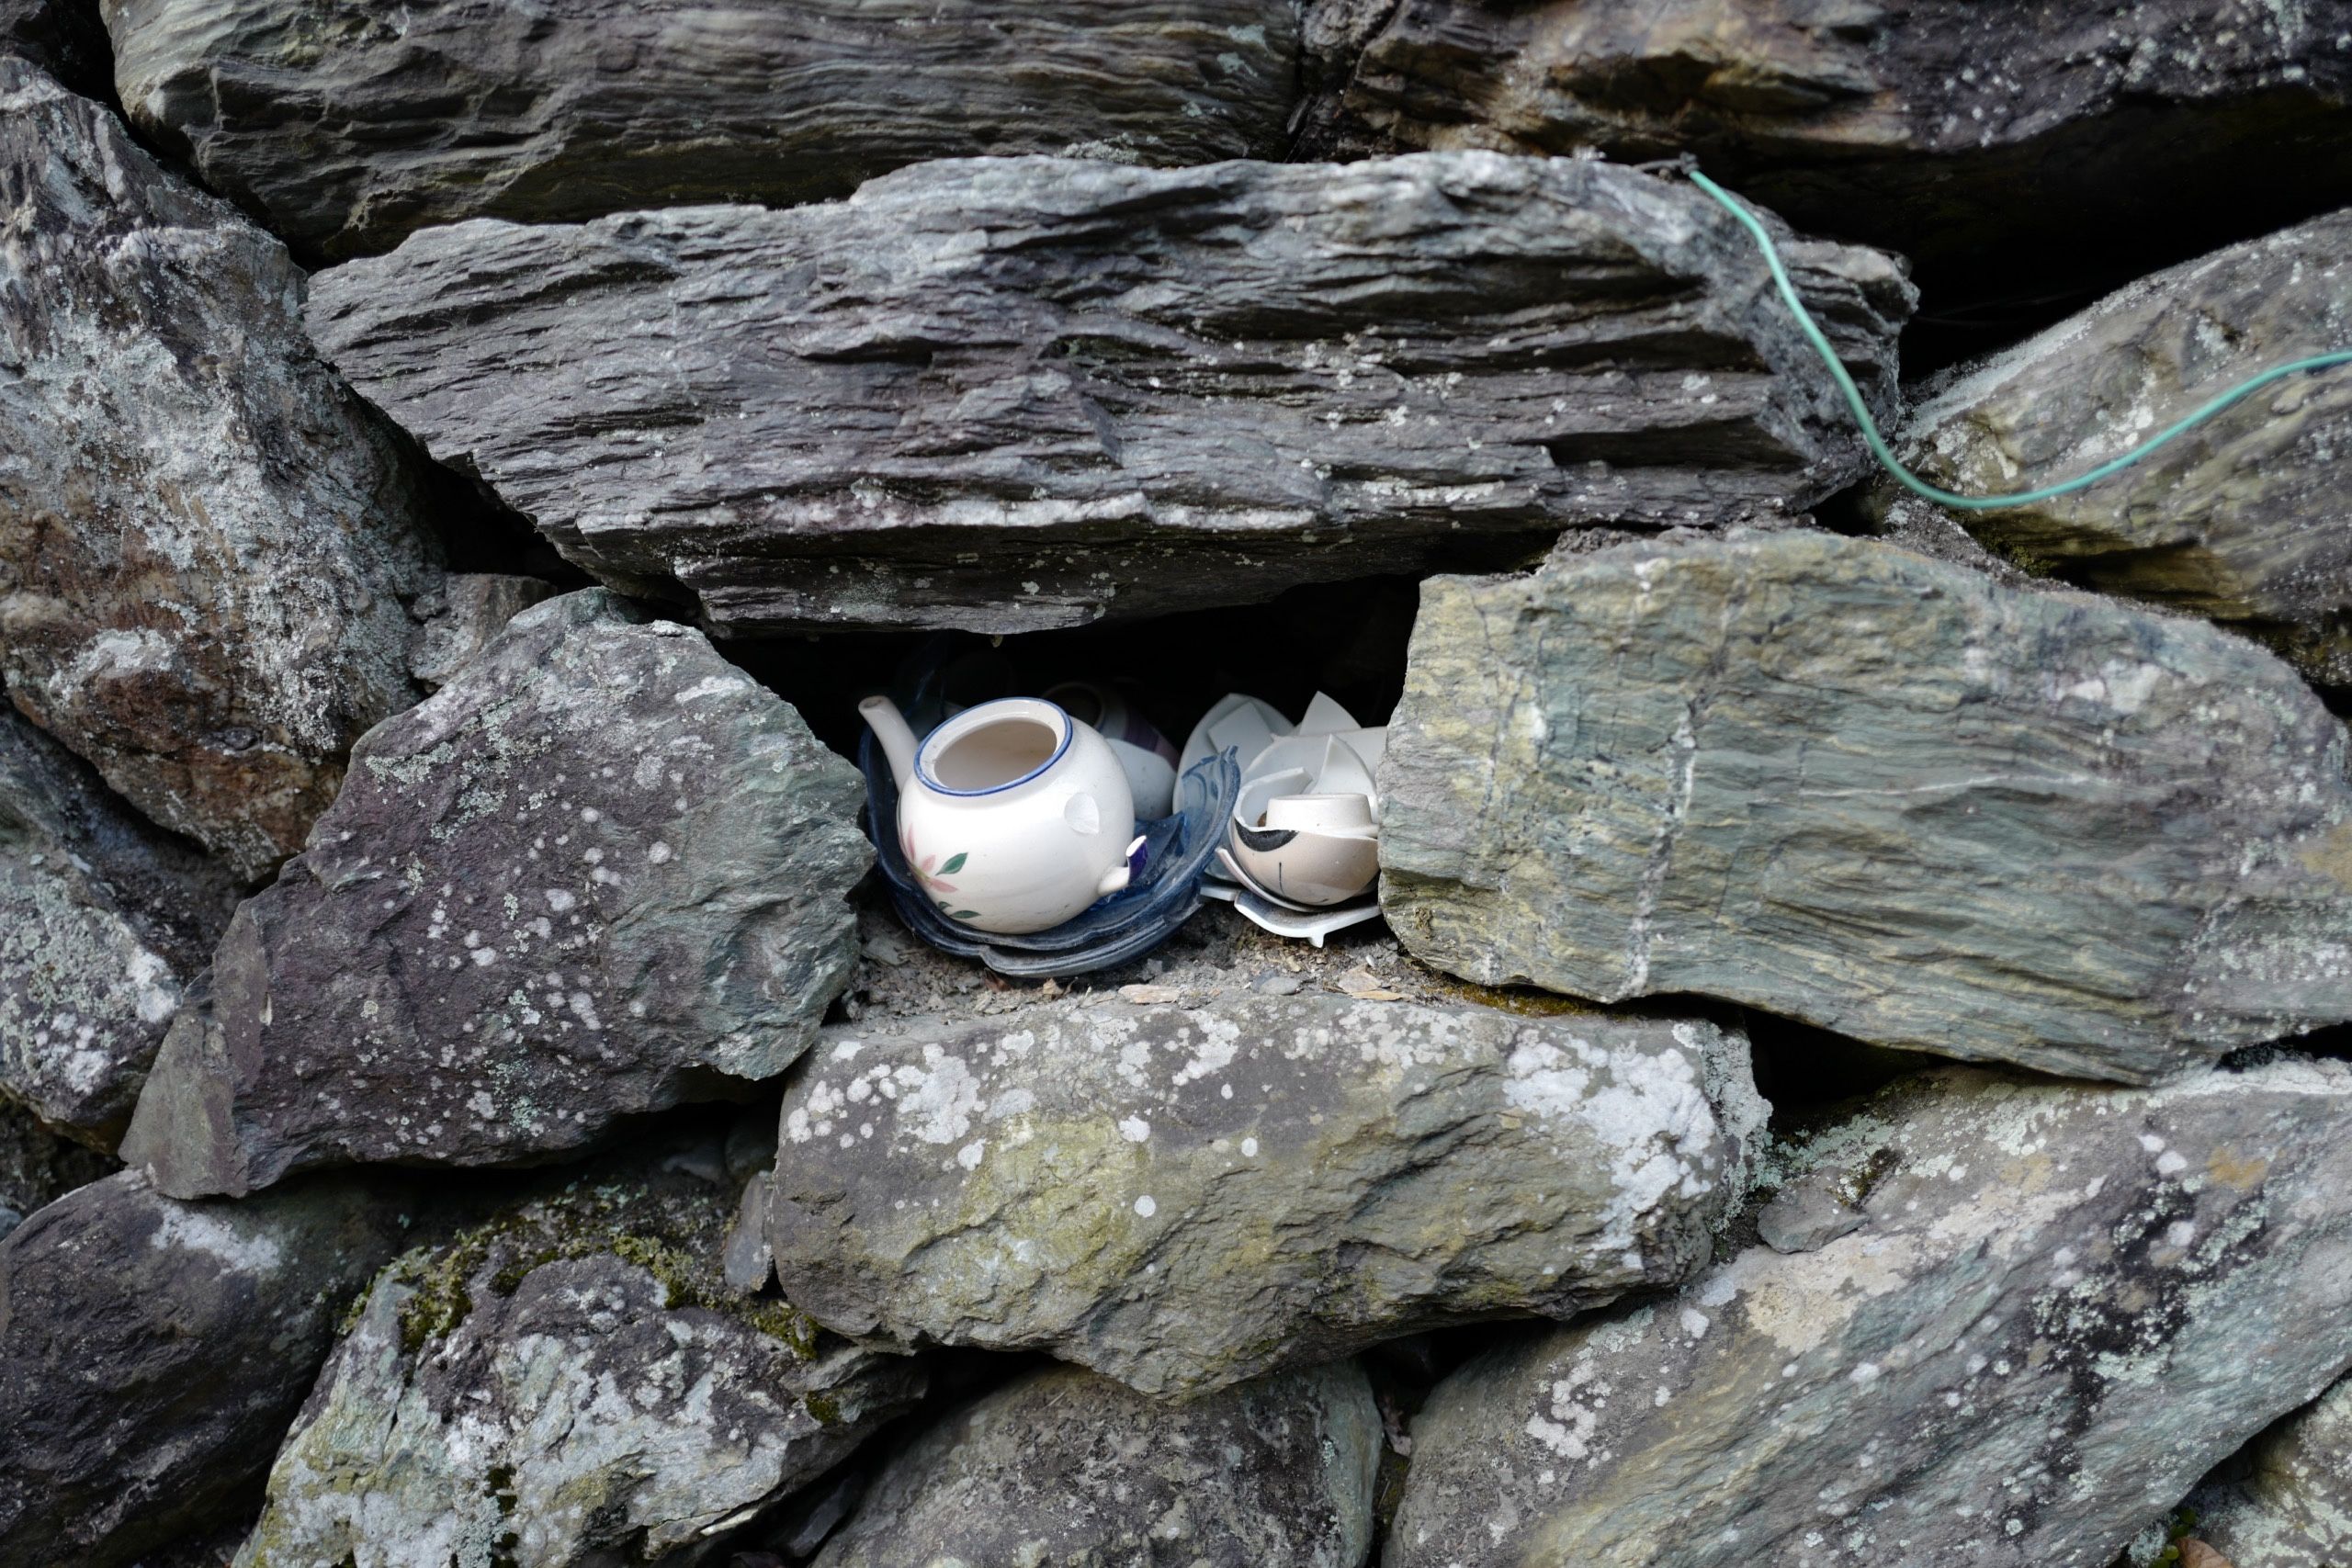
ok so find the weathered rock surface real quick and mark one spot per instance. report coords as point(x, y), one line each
point(1847, 784)
point(570, 1382)
point(2247, 518)
point(65, 37)
point(2022, 138)
point(460, 619)
point(206, 540)
point(153, 1351)
point(1015, 393)
point(2292, 1506)
point(350, 132)
point(599, 873)
point(1064, 1467)
point(2067, 1303)
point(103, 919)
point(1185, 1198)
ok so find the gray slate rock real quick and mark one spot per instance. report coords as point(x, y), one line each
point(1185, 1198)
point(349, 130)
point(2068, 1302)
point(151, 1353)
point(600, 872)
point(207, 541)
point(2246, 519)
point(568, 1385)
point(1067, 1468)
point(2033, 140)
point(1009, 394)
point(104, 920)
point(460, 619)
point(1878, 792)
point(2291, 1507)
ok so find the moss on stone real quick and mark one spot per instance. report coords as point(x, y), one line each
point(671, 1237)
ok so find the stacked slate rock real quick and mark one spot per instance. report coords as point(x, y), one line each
point(462, 1101)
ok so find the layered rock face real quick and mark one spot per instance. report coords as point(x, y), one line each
point(1971, 136)
point(1011, 394)
point(2246, 519)
point(1875, 792)
point(153, 1352)
point(1184, 1198)
point(568, 1383)
point(2293, 1503)
point(1063, 1466)
point(104, 920)
point(207, 542)
point(2063, 1304)
point(348, 133)
point(599, 873)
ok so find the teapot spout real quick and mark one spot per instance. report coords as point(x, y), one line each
point(882, 716)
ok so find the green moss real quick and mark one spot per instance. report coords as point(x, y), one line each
point(591, 1221)
point(823, 1407)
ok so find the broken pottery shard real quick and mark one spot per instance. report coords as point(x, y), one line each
point(1879, 792)
point(602, 871)
point(153, 1351)
point(103, 919)
point(349, 131)
point(207, 542)
point(2031, 141)
point(1185, 1198)
point(568, 1383)
point(1063, 1466)
point(2247, 518)
point(2287, 1500)
point(1007, 394)
point(2066, 1302)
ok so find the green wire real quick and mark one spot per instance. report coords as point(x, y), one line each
point(1912, 482)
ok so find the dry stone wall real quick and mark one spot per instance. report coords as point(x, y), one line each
point(464, 1099)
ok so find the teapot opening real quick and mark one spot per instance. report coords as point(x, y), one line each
point(996, 754)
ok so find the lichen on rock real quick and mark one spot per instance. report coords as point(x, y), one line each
point(569, 1382)
point(601, 872)
point(2065, 1302)
point(1184, 1198)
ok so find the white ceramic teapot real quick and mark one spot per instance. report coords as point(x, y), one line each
point(1012, 815)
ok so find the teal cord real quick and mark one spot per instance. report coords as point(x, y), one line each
point(1912, 482)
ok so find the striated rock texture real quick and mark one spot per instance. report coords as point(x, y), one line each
point(599, 873)
point(65, 37)
point(1064, 1467)
point(1849, 785)
point(2246, 519)
point(2292, 1506)
point(153, 1351)
point(1185, 1198)
point(103, 919)
point(2025, 140)
point(205, 541)
point(569, 1384)
point(348, 130)
point(2065, 1304)
point(1020, 393)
